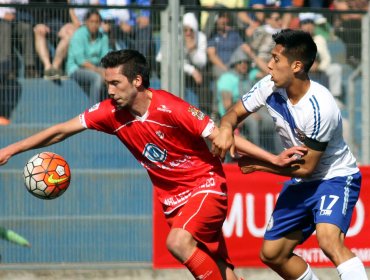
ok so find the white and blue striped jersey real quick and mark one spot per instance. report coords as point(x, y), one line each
point(315, 121)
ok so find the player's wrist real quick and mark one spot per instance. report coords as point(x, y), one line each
point(275, 160)
point(226, 127)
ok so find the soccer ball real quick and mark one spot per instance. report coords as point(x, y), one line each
point(47, 175)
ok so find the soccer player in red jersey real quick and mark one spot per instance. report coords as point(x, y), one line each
point(166, 135)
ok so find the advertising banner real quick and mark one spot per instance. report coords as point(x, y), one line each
point(251, 201)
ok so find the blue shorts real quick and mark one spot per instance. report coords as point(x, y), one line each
point(302, 205)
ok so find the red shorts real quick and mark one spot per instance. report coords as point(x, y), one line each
point(203, 216)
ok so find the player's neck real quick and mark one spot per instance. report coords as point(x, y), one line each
point(142, 103)
point(297, 90)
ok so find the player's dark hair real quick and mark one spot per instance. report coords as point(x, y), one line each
point(132, 63)
point(298, 45)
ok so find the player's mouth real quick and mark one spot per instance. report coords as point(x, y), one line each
point(120, 101)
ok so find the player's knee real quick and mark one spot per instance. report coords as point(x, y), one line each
point(179, 241)
point(172, 244)
point(328, 244)
point(331, 245)
point(270, 257)
point(324, 241)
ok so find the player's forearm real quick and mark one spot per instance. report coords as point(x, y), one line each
point(41, 139)
point(248, 165)
point(247, 148)
point(229, 121)
point(296, 169)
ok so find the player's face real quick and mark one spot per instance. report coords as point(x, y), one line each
point(280, 68)
point(119, 87)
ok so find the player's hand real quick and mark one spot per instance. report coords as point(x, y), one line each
point(289, 156)
point(3, 157)
point(223, 142)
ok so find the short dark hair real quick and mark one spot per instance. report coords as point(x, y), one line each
point(298, 45)
point(132, 63)
point(91, 12)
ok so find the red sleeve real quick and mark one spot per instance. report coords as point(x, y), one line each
point(99, 117)
point(194, 119)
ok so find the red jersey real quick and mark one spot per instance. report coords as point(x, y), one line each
point(168, 141)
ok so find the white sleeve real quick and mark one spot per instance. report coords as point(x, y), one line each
point(254, 99)
point(82, 120)
point(323, 121)
point(208, 129)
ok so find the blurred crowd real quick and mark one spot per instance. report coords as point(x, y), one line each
point(225, 51)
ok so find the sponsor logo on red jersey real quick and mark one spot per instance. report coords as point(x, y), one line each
point(196, 113)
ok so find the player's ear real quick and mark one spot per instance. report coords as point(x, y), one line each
point(297, 66)
point(138, 81)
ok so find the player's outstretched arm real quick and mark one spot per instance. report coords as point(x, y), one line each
point(301, 167)
point(247, 148)
point(46, 137)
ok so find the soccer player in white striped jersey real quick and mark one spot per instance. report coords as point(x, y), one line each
point(325, 183)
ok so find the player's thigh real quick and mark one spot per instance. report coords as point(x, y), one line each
point(203, 216)
point(292, 212)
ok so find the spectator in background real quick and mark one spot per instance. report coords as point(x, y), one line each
point(116, 23)
point(19, 34)
point(223, 41)
point(128, 28)
point(234, 82)
point(195, 48)
point(193, 4)
point(230, 87)
point(348, 27)
point(323, 64)
point(262, 43)
point(259, 17)
point(140, 29)
point(16, 27)
point(77, 15)
point(52, 29)
point(195, 58)
point(208, 17)
point(9, 87)
point(155, 25)
point(7, 16)
point(87, 46)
